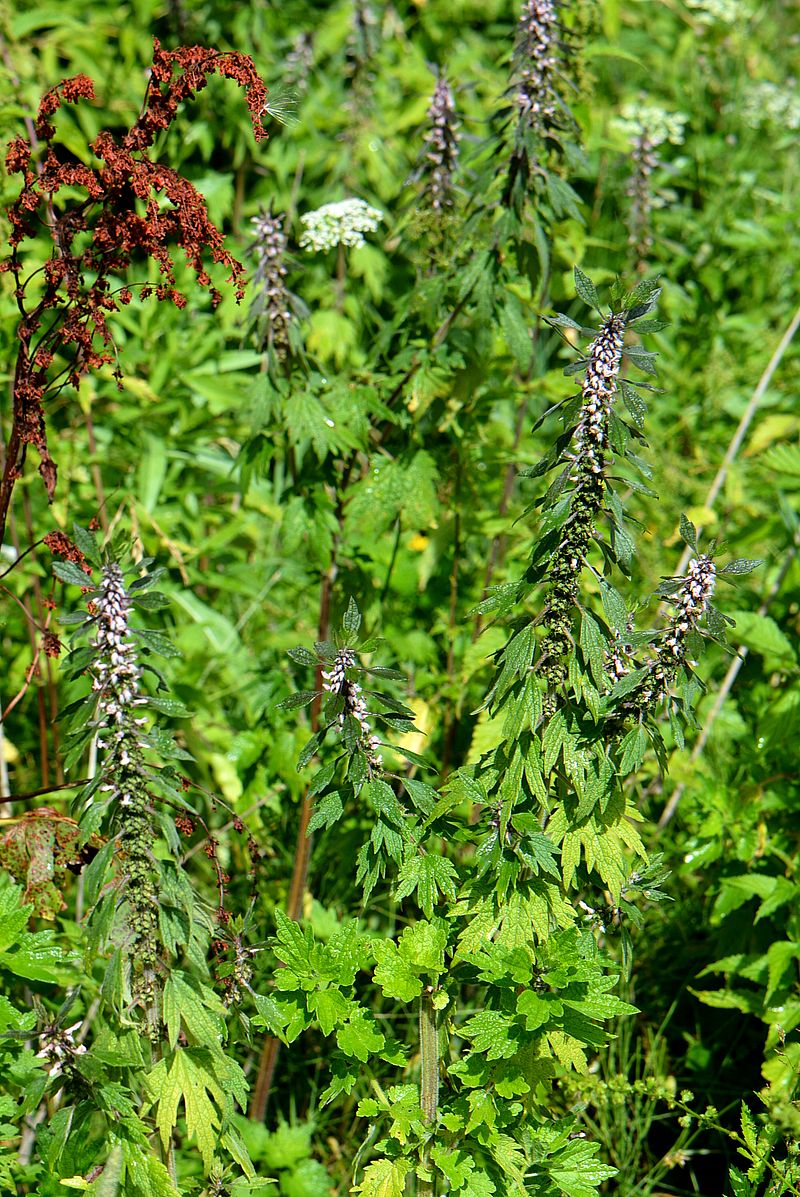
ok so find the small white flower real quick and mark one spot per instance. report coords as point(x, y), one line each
point(724, 12)
point(342, 223)
point(336, 681)
point(766, 102)
point(657, 124)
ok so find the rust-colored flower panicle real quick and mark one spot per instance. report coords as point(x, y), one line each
point(120, 220)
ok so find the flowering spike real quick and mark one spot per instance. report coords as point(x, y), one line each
point(598, 390)
point(441, 149)
point(693, 598)
point(298, 64)
point(273, 304)
point(588, 456)
point(691, 604)
point(119, 721)
point(536, 62)
point(336, 681)
point(646, 127)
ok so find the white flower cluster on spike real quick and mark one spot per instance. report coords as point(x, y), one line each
point(441, 146)
point(597, 391)
point(691, 602)
point(336, 681)
point(116, 676)
point(537, 61)
point(342, 223)
point(59, 1048)
point(693, 598)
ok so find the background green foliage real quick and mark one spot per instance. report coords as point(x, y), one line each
point(381, 465)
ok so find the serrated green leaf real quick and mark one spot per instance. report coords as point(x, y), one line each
point(303, 656)
point(68, 572)
point(184, 1077)
point(586, 289)
point(351, 621)
point(360, 1037)
point(384, 1178)
point(688, 532)
point(394, 975)
point(428, 876)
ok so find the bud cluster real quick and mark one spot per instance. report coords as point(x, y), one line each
point(119, 723)
point(272, 302)
point(336, 681)
point(618, 661)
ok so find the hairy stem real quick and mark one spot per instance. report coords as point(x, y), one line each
point(429, 1078)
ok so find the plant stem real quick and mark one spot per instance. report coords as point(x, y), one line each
point(302, 852)
point(429, 1078)
point(743, 425)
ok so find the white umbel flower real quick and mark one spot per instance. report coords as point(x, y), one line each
point(658, 124)
point(341, 223)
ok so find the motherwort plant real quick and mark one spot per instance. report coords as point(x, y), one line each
point(513, 955)
point(146, 922)
point(132, 770)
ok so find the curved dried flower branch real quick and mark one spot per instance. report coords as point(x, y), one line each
point(121, 219)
